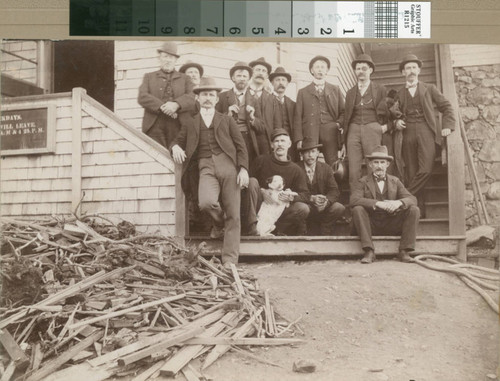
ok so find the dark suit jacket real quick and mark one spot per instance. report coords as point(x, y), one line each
point(325, 179)
point(364, 194)
point(266, 120)
point(430, 96)
point(227, 99)
point(151, 91)
point(227, 135)
point(379, 94)
point(306, 121)
point(290, 111)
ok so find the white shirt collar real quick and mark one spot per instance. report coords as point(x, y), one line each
point(319, 82)
point(239, 92)
point(208, 115)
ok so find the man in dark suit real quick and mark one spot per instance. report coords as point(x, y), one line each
point(366, 116)
point(166, 96)
point(212, 143)
point(381, 205)
point(324, 192)
point(284, 105)
point(266, 119)
point(239, 104)
point(319, 112)
point(421, 131)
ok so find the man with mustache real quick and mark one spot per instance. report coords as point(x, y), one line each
point(266, 119)
point(366, 116)
point(212, 143)
point(293, 219)
point(421, 131)
point(167, 96)
point(319, 111)
point(284, 105)
point(381, 205)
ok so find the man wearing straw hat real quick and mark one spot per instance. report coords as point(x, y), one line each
point(421, 130)
point(319, 112)
point(212, 143)
point(167, 96)
point(366, 116)
point(381, 205)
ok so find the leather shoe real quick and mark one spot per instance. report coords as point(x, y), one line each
point(404, 256)
point(252, 230)
point(369, 256)
point(217, 232)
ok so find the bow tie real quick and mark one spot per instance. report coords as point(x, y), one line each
point(379, 179)
point(411, 85)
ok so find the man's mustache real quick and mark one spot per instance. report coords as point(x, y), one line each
point(281, 87)
point(259, 76)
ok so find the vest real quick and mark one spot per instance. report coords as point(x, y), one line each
point(381, 196)
point(207, 146)
point(241, 120)
point(168, 93)
point(324, 114)
point(284, 115)
point(364, 108)
point(414, 109)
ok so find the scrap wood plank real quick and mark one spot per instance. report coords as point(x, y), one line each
point(190, 373)
point(174, 313)
point(161, 346)
point(9, 372)
point(62, 358)
point(239, 286)
point(150, 268)
point(188, 352)
point(83, 372)
point(21, 361)
point(126, 310)
point(229, 341)
point(149, 372)
point(36, 356)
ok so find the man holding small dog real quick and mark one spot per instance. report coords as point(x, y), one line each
point(323, 202)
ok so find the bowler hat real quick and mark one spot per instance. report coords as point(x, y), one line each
point(189, 64)
point(409, 58)
point(169, 47)
point(206, 84)
point(240, 66)
point(308, 143)
point(363, 58)
point(261, 61)
point(277, 132)
point(280, 72)
point(319, 58)
point(380, 152)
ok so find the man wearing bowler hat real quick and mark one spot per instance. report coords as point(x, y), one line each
point(167, 97)
point(319, 112)
point(381, 205)
point(212, 143)
point(324, 192)
point(284, 105)
point(366, 116)
point(421, 130)
point(193, 70)
point(293, 219)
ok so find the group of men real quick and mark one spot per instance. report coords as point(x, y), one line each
point(231, 142)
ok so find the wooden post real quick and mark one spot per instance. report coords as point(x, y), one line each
point(181, 222)
point(76, 152)
point(455, 145)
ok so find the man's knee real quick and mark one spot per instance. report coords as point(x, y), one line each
point(414, 211)
point(206, 204)
point(337, 209)
point(358, 210)
point(300, 210)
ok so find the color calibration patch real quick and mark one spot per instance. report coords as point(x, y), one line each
point(260, 19)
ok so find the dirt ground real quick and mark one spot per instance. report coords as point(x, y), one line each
point(383, 321)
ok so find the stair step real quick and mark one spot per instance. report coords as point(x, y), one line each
point(434, 226)
point(329, 246)
point(437, 209)
point(436, 193)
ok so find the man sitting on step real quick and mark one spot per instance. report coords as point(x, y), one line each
point(381, 205)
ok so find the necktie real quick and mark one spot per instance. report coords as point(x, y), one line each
point(379, 179)
point(411, 85)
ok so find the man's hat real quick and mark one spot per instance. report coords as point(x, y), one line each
point(363, 58)
point(280, 72)
point(308, 143)
point(189, 64)
point(206, 84)
point(169, 47)
point(261, 61)
point(380, 152)
point(319, 58)
point(277, 132)
point(409, 58)
point(240, 66)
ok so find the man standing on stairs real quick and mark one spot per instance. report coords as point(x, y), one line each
point(381, 205)
point(421, 130)
point(366, 116)
point(212, 143)
point(167, 97)
point(319, 111)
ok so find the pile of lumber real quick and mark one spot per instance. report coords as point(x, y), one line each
point(87, 299)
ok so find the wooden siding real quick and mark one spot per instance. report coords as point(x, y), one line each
point(474, 55)
point(16, 67)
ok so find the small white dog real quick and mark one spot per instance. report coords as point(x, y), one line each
point(270, 212)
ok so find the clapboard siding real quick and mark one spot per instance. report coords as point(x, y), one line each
point(474, 55)
point(16, 67)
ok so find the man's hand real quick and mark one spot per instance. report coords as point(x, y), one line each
point(400, 124)
point(178, 154)
point(286, 197)
point(342, 152)
point(445, 132)
point(169, 108)
point(384, 128)
point(233, 109)
point(390, 206)
point(242, 179)
point(251, 113)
